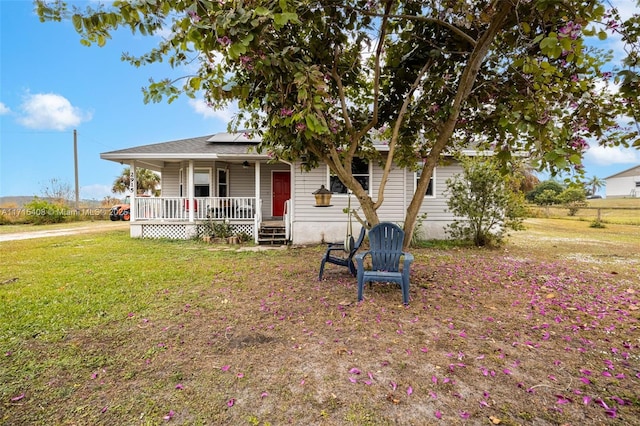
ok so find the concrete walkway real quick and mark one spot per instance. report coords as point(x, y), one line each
point(58, 232)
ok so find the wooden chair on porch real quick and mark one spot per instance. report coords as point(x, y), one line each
point(385, 250)
point(346, 259)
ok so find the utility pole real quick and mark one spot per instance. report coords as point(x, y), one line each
point(75, 158)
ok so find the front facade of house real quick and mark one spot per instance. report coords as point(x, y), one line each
point(221, 177)
point(625, 184)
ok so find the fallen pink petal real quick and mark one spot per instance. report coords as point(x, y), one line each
point(619, 400)
point(554, 340)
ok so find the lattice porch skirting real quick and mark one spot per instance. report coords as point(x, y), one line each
point(181, 231)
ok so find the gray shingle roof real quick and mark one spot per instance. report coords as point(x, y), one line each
point(219, 145)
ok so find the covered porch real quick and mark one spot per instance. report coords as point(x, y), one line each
point(205, 180)
point(182, 217)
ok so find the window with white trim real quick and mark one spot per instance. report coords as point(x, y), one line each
point(202, 182)
point(432, 182)
point(361, 172)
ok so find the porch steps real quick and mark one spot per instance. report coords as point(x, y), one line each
point(272, 234)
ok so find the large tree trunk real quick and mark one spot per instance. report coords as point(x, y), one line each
point(467, 81)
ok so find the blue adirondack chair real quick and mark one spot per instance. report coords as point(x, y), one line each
point(346, 258)
point(385, 250)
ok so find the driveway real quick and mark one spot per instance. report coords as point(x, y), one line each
point(58, 232)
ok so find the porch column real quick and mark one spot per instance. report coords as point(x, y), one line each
point(133, 188)
point(190, 178)
point(258, 213)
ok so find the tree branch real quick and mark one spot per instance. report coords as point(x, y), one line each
point(439, 22)
point(396, 132)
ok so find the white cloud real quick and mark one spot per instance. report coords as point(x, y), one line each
point(4, 109)
point(606, 156)
point(95, 192)
point(48, 111)
point(200, 107)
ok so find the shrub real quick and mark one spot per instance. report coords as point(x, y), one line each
point(484, 197)
point(573, 198)
point(217, 228)
point(40, 212)
point(547, 185)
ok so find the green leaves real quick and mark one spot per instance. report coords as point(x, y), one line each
point(236, 50)
point(534, 90)
point(282, 19)
point(550, 46)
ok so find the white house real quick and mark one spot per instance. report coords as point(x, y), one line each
point(625, 184)
point(222, 177)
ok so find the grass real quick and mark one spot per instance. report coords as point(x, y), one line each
point(104, 329)
point(28, 227)
point(611, 210)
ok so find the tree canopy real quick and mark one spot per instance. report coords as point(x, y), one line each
point(331, 80)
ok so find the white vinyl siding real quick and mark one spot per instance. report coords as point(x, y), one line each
point(436, 206)
point(170, 180)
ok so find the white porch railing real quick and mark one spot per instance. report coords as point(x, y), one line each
point(178, 208)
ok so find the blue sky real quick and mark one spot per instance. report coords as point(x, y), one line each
point(50, 85)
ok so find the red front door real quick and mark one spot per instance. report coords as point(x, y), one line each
point(281, 184)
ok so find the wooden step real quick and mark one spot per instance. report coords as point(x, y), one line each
point(272, 235)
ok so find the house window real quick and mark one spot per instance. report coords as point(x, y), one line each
point(180, 183)
point(430, 188)
point(223, 183)
point(360, 170)
point(201, 182)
